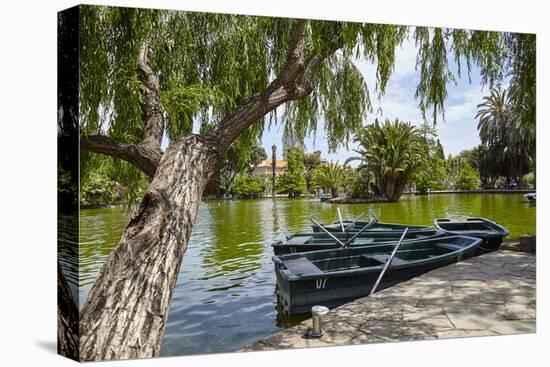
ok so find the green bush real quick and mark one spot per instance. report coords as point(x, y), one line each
point(359, 184)
point(99, 189)
point(468, 178)
point(529, 179)
point(248, 186)
point(293, 181)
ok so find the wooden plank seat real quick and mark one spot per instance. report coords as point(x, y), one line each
point(301, 266)
point(298, 240)
point(384, 258)
point(448, 246)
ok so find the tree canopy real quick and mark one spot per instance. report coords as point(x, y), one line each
point(392, 151)
point(208, 64)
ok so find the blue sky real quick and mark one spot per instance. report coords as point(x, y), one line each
point(456, 133)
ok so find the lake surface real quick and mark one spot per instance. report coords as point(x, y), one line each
point(224, 297)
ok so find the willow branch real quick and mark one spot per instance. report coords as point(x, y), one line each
point(145, 155)
point(140, 155)
point(280, 90)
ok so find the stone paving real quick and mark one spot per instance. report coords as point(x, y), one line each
point(492, 294)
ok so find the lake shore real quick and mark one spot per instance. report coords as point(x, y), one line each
point(492, 294)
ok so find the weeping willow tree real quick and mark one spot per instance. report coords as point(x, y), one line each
point(206, 81)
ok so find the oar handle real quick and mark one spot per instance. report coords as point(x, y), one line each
point(388, 262)
point(369, 224)
point(356, 219)
point(372, 215)
point(340, 218)
point(327, 232)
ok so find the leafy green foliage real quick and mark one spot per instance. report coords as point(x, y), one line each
point(210, 63)
point(510, 140)
point(247, 185)
point(99, 189)
point(523, 84)
point(431, 175)
point(392, 152)
point(468, 178)
point(359, 183)
point(292, 182)
point(241, 157)
point(123, 173)
point(311, 162)
point(331, 176)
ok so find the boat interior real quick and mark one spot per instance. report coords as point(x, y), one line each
point(344, 260)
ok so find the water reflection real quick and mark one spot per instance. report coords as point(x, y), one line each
point(67, 249)
point(224, 296)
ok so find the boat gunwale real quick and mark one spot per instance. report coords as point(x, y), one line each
point(281, 243)
point(476, 242)
point(501, 231)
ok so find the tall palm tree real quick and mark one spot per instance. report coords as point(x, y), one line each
point(392, 151)
point(331, 177)
point(503, 129)
point(495, 115)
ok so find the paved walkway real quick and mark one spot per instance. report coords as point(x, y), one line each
point(492, 294)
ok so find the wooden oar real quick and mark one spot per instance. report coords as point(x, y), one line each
point(341, 221)
point(369, 224)
point(327, 232)
point(388, 262)
point(372, 215)
point(355, 220)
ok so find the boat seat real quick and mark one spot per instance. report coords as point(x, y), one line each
point(448, 246)
point(298, 240)
point(384, 258)
point(301, 266)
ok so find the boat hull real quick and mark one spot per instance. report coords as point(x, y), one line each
point(490, 232)
point(282, 247)
point(378, 226)
point(297, 294)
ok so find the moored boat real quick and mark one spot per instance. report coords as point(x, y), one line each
point(354, 226)
point(531, 197)
point(334, 277)
point(303, 242)
point(491, 232)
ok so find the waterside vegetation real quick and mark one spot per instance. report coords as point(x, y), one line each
point(146, 73)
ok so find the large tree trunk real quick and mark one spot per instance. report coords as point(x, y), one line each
point(67, 319)
point(126, 310)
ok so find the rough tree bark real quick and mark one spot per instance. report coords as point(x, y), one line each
point(67, 319)
point(126, 310)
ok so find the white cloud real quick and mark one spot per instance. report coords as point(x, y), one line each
point(456, 133)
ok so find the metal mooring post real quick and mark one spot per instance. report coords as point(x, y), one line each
point(317, 312)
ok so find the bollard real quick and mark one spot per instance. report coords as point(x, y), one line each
point(317, 312)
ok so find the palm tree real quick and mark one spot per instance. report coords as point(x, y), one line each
point(495, 115)
point(507, 135)
point(331, 177)
point(392, 152)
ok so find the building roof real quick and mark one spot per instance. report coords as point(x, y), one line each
point(279, 163)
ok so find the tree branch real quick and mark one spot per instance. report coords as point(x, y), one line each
point(145, 155)
point(153, 115)
point(277, 92)
point(286, 87)
point(140, 155)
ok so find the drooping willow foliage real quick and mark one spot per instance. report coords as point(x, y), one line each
point(209, 63)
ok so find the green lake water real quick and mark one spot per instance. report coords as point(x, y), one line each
point(224, 297)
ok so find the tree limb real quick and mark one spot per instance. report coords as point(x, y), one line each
point(285, 87)
point(145, 155)
point(140, 155)
point(153, 114)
